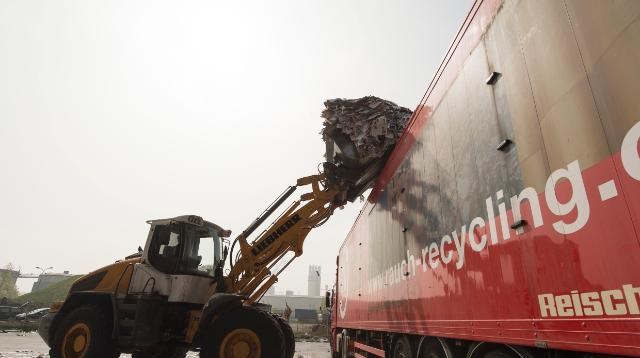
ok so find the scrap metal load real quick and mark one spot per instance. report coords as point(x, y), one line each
point(359, 135)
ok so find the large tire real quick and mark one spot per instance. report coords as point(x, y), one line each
point(254, 333)
point(167, 351)
point(289, 337)
point(84, 332)
point(511, 352)
point(500, 353)
point(431, 348)
point(402, 348)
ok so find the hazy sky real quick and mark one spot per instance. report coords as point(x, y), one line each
point(115, 112)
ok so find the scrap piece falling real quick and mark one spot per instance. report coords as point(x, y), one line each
point(372, 124)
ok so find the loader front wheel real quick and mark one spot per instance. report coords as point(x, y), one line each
point(84, 333)
point(244, 333)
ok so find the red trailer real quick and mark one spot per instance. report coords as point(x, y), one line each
point(506, 222)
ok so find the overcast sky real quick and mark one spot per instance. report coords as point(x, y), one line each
point(115, 112)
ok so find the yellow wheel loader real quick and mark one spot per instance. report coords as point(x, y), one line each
point(174, 295)
point(191, 289)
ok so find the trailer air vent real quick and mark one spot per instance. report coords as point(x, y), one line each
point(504, 145)
point(493, 78)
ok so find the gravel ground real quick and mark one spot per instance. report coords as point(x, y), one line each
point(29, 345)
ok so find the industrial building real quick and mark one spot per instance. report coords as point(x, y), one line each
point(313, 288)
point(303, 308)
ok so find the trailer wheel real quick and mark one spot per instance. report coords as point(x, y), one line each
point(402, 348)
point(289, 337)
point(500, 353)
point(245, 332)
point(84, 332)
point(431, 347)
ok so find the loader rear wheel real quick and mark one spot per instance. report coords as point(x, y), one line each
point(289, 337)
point(244, 333)
point(84, 333)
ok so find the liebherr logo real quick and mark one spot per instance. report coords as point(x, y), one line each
point(276, 234)
point(597, 303)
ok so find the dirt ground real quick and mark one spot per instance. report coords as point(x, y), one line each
point(29, 345)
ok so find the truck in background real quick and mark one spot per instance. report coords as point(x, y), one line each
point(506, 221)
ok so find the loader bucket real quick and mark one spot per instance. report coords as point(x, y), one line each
point(359, 135)
point(345, 168)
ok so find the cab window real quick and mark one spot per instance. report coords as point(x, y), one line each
point(183, 249)
point(164, 251)
point(201, 253)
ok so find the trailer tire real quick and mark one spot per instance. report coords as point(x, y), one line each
point(431, 347)
point(289, 337)
point(499, 353)
point(84, 332)
point(509, 351)
point(402, 348)
point(253, 331)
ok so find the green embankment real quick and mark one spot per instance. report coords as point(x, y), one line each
point(39, 299)
point(43, 298)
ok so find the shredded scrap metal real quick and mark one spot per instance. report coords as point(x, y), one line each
point(373, 124)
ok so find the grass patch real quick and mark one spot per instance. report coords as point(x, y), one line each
point(43, 298)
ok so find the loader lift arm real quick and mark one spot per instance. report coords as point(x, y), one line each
point(250, 274)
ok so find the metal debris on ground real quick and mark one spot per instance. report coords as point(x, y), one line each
point(373, 124)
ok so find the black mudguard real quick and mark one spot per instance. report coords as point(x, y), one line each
point(105, 300)
point(218, 304)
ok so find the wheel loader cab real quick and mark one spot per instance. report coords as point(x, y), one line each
point(179, 248)
point(144, 305)
point(179, 260)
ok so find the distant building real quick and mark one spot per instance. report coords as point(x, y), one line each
point(48, 279)
point(303, 308)
point(288, 293)
point(313, 288)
